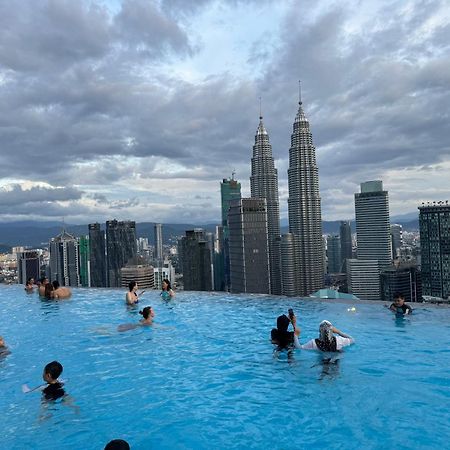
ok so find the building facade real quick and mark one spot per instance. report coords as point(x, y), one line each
point(64, 260)
point(249, 246)
point(28, 265)
point(334, 254)
point(141, 273)
point(97, 256)
point(264, 184)
point(304, 208)
point(396, 239)
point(195, 253)
point(158, 243)
point(403, 278)
point(434, 222)
point(120, 248)
point(345, 234)
point(84, 263)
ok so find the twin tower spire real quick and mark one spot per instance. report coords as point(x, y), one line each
point(296, 258)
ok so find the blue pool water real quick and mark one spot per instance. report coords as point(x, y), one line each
point(206, 377)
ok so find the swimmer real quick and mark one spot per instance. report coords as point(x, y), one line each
point(326, 342)
point(280, 335)
point(29, 286)
point(53, 389)
point(147, 313)
point(399, 306)
point(44, 282)
point(167, 292)
point(117, 444)
point(49, 291)
point(132, 297)
point(4, 351)
point(60, 292)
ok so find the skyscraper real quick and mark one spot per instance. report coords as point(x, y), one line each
point(334, 254)
point(373, 241)
point(230, 190)
point(64, 260)
point(249, 250)
point(345, 233)
point(434, 222)
point(97, 256)
point(305, 218)
point(120, 248)
point(403, 278)
point(396, 239)
point(195, 253)
point(264, 184)
point(83, 254)
point(28, 265)
point(158, 243)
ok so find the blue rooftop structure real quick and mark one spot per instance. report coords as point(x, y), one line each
point(332, 293)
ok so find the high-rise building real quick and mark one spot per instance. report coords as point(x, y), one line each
point(97, 256)
point(158, 243)
point(83, 253)
point(120, 248)
point(334, 254)
point(64, 260)
point(396, 239)
point(218, 263)
point(403, 278)
point(305, 219)
point(434, 222)
point(345, 233)
point(195, 253)
point(264, 184)
point(28, 265)
point(142, 273)
point(230, 190)
point(373, 238)
point(249, 251)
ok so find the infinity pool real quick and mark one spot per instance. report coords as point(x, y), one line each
point(205, 376)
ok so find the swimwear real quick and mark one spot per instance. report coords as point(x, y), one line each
point(165, 295)
point(54, 391)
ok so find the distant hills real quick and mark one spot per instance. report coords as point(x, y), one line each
point(38, 234)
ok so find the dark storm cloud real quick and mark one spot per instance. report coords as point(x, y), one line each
point(16, 195)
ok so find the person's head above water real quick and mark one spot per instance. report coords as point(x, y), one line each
point(117, 444)
point(55, 284)
point(30, 280)
point(166, 285)
point(132, 285)
point(399, 298)
point(44, 280)
point(48, 290)
point(52, 371)
point(2, 342)
point(283, 322)
point(147, 312)
point(325, 332)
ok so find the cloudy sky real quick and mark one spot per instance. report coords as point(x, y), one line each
point(136, 109)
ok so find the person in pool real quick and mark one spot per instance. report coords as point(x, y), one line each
point(4, 351)
point(117, 444)
point(167, 292)
point(132, 296)
point(54, 388)
point(49, 291)
point(60, 292)
point(44, 282)
point(29, 286)
point(399, 306)
point(280, 335)
point(147, 313)
point(327, 341)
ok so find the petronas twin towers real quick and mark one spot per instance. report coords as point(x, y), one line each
point(296, 258)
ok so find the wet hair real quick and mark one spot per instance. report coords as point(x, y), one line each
point(131, 285)
point(55, 284)
point(29, 280)
point(54, 369)
point(280, 335)
point(399, 295)
point(43, 279)
point(146, 312)
point(117, 444)
point(326, 341)
point(169, 287)
point(48, 290)
point(283, 322)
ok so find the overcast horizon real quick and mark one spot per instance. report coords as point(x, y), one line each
point(136, 110)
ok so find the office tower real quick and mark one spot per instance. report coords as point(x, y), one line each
point(305, 220)
point(218, 263)
point(120, 248)
point(28, 265)
point(158, 243)
point(167, 271)
point(249, 250)
point(83, 253)
point(64, 266)
point(403, 278)
point(288, 264)
point(334, 254)
point(230, 190)
point(345, 233)
point(434, 222)
point(264, 184)
point(143, 274)
point(97, 256)
point(396, 239)
point(373, 240)
point(195, 254)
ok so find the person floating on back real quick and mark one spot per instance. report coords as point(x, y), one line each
point(399, 306)
point(327, 341)
point(167, 292)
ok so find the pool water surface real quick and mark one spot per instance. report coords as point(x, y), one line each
point(205, 376)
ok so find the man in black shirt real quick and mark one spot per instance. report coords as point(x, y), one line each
point(54, 389)
point(399, 306)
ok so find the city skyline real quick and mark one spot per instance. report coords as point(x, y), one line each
point(141, 108)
